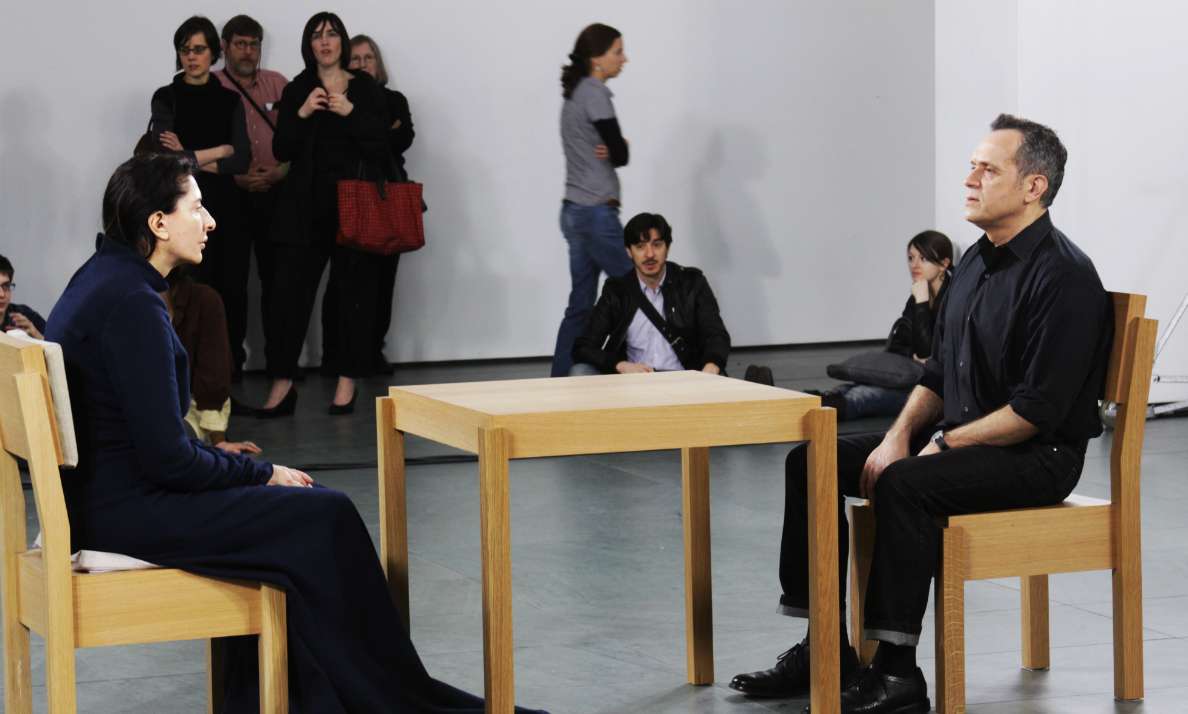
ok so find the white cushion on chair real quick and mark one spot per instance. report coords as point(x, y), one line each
point(55, 369)
point(95, 561)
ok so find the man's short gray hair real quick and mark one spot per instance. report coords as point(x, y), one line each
point(1040, 152)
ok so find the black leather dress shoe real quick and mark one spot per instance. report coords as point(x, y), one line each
point(788, 678)
point(870, 691)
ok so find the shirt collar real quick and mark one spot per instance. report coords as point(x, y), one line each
point(1023, 244)
point(108, 247)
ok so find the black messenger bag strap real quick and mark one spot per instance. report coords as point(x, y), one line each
point(678, 343)
point(251, 101)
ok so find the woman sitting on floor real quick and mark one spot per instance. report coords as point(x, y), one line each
point(930, 261)
point(143, 489)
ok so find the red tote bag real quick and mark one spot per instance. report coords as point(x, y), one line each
point(380, 217)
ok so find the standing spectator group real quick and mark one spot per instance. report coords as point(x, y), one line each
point(270, 154)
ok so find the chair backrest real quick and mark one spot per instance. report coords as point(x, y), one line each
point(1128, 384)
point(28, 429)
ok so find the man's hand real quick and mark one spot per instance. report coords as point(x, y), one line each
point(260, 179)
point(893, 448)
point(21, 322)
point(632, 368)
point(285, 476)
point(711, 368)
point(920, 290)
point(929, 450)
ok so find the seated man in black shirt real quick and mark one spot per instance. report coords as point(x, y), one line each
point(12, 315)
point(998, 420)
point(685, 330)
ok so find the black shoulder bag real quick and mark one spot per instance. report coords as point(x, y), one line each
point(678, 343)
point(251, 101)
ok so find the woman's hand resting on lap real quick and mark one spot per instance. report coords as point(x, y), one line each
point(285, 476)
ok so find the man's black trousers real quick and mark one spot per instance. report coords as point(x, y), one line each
point(908, 496)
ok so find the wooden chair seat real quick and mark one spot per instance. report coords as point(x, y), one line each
point(70, 609)
point(1079, 534)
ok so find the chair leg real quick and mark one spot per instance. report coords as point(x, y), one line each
point(950, 624)
point(274, 654)
point(214, 676)
point(1034, 589)
point(18, 684)
point(862, 533)
point(59, 671)
point(1128, 625)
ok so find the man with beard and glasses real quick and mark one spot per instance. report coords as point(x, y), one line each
point(259, 90)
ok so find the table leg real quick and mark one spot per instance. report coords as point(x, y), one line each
point(493, 450)
point(824, 625)
point(393, 512)
point(699, 612)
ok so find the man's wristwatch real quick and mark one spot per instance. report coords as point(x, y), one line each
point(939, 439)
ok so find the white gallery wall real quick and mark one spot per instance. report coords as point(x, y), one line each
point(1109, 77)
point(790, 143)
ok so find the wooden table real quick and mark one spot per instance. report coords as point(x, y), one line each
point(690, 411)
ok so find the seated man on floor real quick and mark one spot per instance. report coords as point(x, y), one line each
point(658, 317)
point(999, 419)
point(12, 315)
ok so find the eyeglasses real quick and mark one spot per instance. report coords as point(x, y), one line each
point(7, 288)
point(196, 49)
point(242, 45)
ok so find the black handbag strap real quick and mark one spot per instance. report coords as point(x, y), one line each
point(678, 343)
point(251, 101)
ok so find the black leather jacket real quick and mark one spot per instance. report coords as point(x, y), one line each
point(911, 335)
point(689, 308)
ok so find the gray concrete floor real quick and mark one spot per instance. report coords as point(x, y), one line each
point(598, 571)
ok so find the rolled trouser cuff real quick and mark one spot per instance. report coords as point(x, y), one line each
point(792, 607)
point(892, 637)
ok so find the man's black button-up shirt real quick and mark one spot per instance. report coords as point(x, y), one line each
point(1026, 324)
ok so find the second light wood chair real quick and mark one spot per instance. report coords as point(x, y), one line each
point(68, 609)
point(1078, 535)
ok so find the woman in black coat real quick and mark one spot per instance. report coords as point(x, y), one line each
point(197, 116)
point(332, 123)
point(367, 57)
point(930, 262)
point(143, 489)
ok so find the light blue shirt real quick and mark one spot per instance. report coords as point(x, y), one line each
point(645, 344)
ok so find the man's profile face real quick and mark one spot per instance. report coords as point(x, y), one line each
point(649, 255)
point(243, 54)
point(993, 189)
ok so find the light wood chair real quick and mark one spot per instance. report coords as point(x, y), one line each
point(69, 609)
point(1080, 534)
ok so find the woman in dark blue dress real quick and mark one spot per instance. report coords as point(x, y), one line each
point(143, 489)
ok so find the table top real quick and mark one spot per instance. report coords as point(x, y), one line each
point(583, 415)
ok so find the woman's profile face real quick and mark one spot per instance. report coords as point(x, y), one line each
point(186, 227)
point(922, 268)
point(612, 62)
point(327, 45)
point(195, 54)
point(363, 57)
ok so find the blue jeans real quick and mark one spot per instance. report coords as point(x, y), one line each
point(582, 369)
point(595, 239)
point(866, 400)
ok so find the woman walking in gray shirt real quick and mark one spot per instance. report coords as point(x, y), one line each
point(594, 148)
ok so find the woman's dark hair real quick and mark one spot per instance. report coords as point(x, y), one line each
point(381, 72)
point(639, 229)
point(244, 26)
point(180, 274)
point(935, 247)
point(191, 27)
point(311, 62)
point(595, 41)
point(140, 187)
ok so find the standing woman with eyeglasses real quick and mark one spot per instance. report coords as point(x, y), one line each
point(594, 148)
point(197, 116)
point(332, 123)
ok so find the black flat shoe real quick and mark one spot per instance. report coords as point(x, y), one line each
point(286, 407)
point(340, 409)
point(870, 691)
point(238, 408)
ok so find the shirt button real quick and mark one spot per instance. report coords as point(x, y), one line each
point(961, 364)
point(964, 409)
point(986, 275)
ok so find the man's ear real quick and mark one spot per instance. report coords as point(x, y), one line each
point(156, 224)
point(1037, 184)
